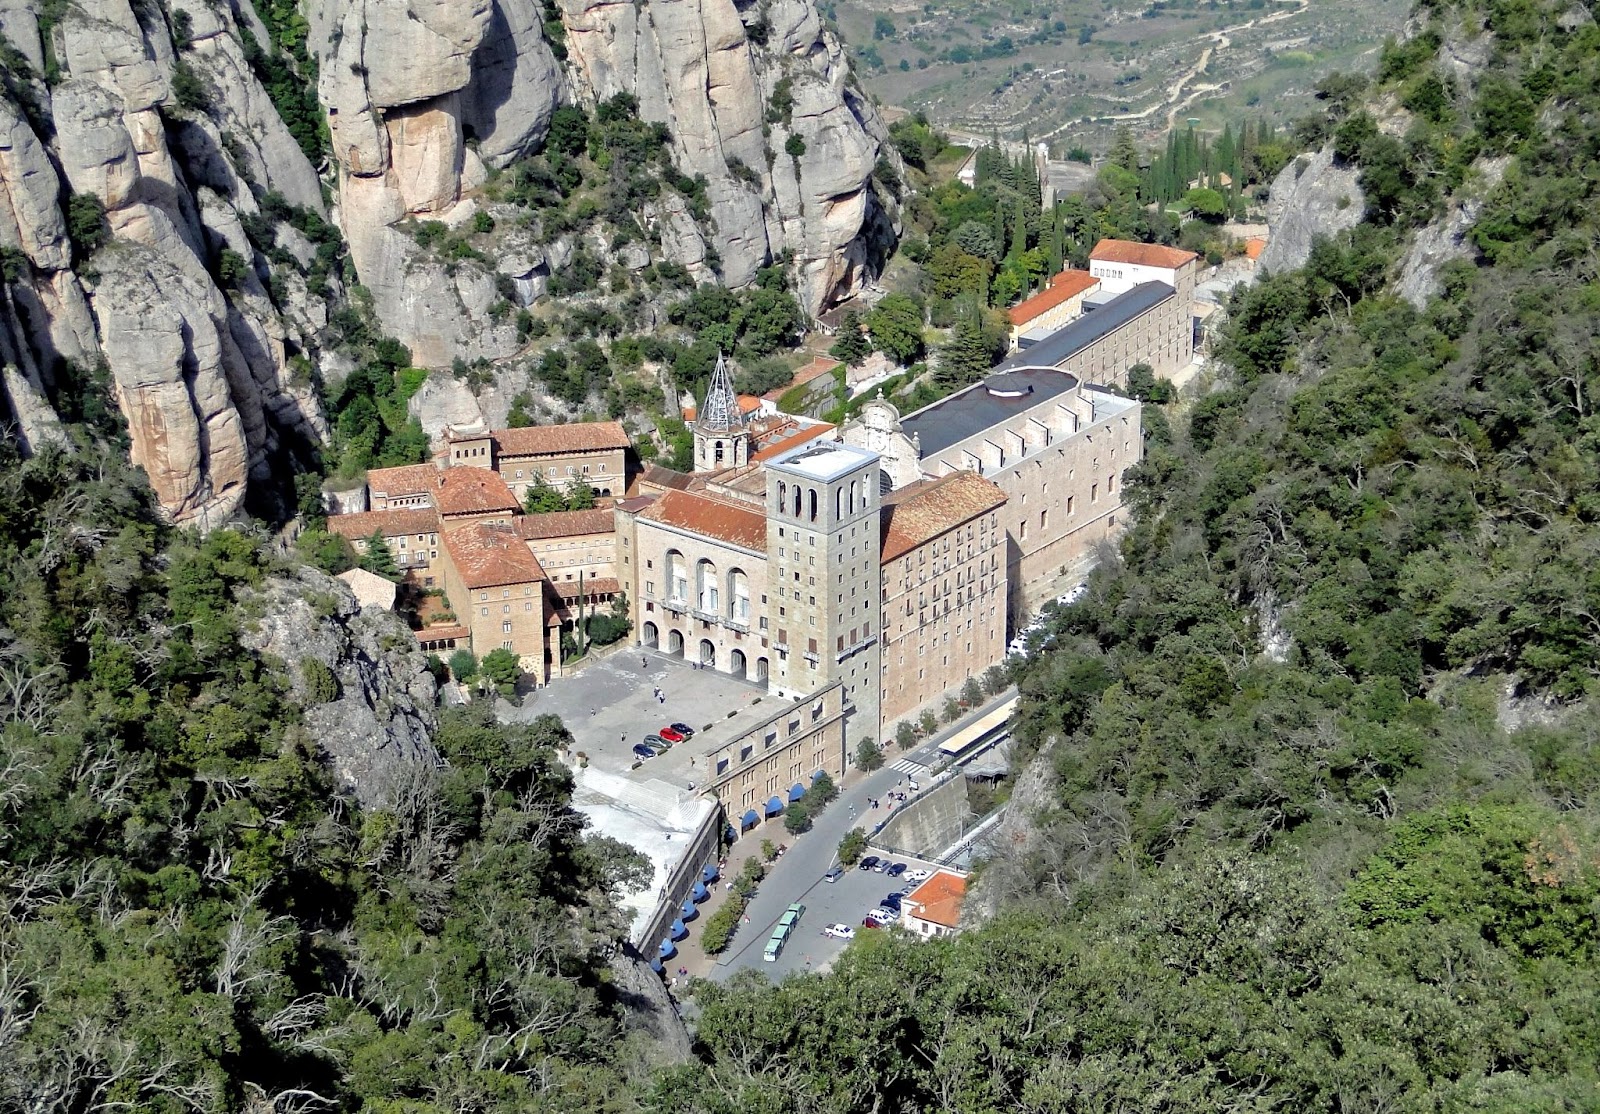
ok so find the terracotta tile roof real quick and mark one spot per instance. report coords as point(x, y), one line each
point(391, 524)
point(488, 554)
point(939, 899)
point(1140, 255)
point(1254, 246)
point(563, 524)
point(542, 440)
point(434, 634)
point(748, 404)
point(408, 479)
point(780, 438)
point(635, 504)
point(1065, 286)
point(467, 490)
point(592, 586)
point(920, 512)
point(656, 475)
point(822, 365)
point(713, 518)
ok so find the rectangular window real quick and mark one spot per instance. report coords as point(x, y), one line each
point(1094, 493)
point(506, 645)
point(505, 628)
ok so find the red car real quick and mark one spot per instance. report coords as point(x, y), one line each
point(670, 735)
point(870, 921)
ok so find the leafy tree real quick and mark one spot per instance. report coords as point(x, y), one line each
point(328, 552)
point(502, 668)
point(463, 666)
point(852, 346)
point(895, 325)
point(797, 818)
point(852, 847)
point(377, 558)
point(869, 755)
point(823, 791)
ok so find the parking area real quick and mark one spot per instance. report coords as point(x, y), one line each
point(843, 902)
point(611, 705)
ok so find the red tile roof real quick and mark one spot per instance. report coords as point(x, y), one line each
point(488, 555)
point(786, 435)
point(547, 440)
point(1254, 246)
point(1140, 255)
point(435, 634)
point(920, 512)
point(468, 490)
point(592, 586)
point(408, 479)
point(939, 899)
point(713, 518)
point(391, 524)
point(1065, 286)
point(822, 365)
point(660, 476)
point(563, 524)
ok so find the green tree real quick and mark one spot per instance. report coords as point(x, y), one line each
point(377, 557)
point(463, 666)
point(503, 669)
point(823, 791)
point(541, 498)
point(797, 817)
point(852, 847)
point(895, 325)
point(869, 755)
point(852, 346)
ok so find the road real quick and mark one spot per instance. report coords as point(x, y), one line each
point(797, 875)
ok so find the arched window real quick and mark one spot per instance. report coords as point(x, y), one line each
point(797, 494)
point(813, 504)
point(783, 496)
point(706, 593)
point(838, 503)
point(717, 457)
point(677, 576)
point(738, 595)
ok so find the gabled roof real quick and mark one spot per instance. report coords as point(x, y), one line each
point(489, 555)
point(370, 589)
point(784, 434)
point(1140, 255)
point(407, 479)
point(939, 899)
point(712, 518)
point(563, 524)
point(579, 437)
point(468, 490)
point(1065, 286)
point(391, 524)
point(660, 476)
point(920, 512)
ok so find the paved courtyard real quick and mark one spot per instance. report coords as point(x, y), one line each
point(610, 705)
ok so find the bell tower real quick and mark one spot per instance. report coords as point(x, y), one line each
point(721, 433)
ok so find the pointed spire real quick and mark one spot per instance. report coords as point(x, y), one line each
point(721, 413)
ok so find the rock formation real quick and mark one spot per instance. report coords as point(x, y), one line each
point(1445, 239)
point(1312, 196)
point(373, 715)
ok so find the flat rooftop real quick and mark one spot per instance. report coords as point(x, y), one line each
point(823, 463)
point(974, 409)
point(1068, 341)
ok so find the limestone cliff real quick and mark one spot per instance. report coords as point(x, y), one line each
point(1313, 196)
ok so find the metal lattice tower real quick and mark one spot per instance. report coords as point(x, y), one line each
point(721, 413)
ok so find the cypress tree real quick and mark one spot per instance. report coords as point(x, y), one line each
point(1019, 230)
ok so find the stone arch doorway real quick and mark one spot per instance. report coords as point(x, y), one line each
point(708, 652)
point(674, 642)
point(761, 670)
point(649, 635)
point(737, 666)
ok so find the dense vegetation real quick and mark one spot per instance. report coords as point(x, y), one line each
point(192, 918)
point(1322, 827)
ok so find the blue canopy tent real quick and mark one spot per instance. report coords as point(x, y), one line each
point(709, 873)
point(796, 791)
point(667, 950)
point(689, 911)
point(656, 966)
point(774, 806)
point(750, 817)
point(679, 930)
point(700, 893)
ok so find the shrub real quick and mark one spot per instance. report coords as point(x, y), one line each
point(322, 686)
point(463, 666)
point(852, 847)
point(86, 224)
point(720, 926)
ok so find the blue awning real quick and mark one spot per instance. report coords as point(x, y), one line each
point(709, 874)
point(689, 912)
point(750, 817)
point(774, 806)
point(679, 930)
point(796, 791)
point(655, 965)
point(700, 893)
point(818, 774)
point(667, 950)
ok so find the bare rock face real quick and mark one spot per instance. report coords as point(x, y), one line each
point(403, 84)
point(201, 372)
point(1310, 197)
point(1441, 241)
point(693, 66)
point(376, 721)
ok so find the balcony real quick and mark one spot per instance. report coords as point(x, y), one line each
point(740, 625)
point(677, 607)
point(855, 648)
point(705, 616)
point(813, 657)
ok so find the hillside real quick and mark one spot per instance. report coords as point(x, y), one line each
point(1322, 825)
point(1069, 72)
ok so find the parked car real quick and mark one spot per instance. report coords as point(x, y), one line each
point(881, 865)
point(642, 751)
point(835, 873)
point(869, 921)
point(896, 870)
point(839, 931)
point(884, 916)
point(670, 735)
point(891, 901)
point(917, 874)
point(869, 863)
point(657, 743)
point(684, 729)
